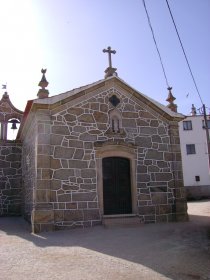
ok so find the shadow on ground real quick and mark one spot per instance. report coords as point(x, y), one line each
point(175, 250)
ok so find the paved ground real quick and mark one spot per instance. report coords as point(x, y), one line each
point(155, 251)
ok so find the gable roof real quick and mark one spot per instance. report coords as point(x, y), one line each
point(73, 93)
point(60, 99)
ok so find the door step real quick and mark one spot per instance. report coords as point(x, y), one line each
point(120, 220)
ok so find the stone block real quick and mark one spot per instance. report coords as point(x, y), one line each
point(158, 189)
point(156, 138)
point(77, 164)
point(162, 164)
point(94, 106)
point(71, 205)
point(154, 123)
point(53, 196)
point(86, 118)
point(145, 115)
point(153, 168)
point(100, 117)
point(82, 205)
point(43, 184)
point(67, 187)
point(63, 152)
point(73, 215)
point(88, 173)
point(42, 216)
point(9, 171)
point(76, 111)
point(4, 164)
point(91, 214)
point(146, 210)
point(104, 108)
point(154, 154)
point(164, 209)
point(141, 122)
point(159, 198)
point(163, 176)
point(92, 204)
point(84, 196)
point(46, 173)
point(64, 197)
point(88, 137)
point(79, 153)
point(16, 165)
point(69, 118)
point(56, 139)
point(148, 130)
point(128, 123)
point(141, 169)
point(79, 128)
point(55, 184)
point(60, 129)
point(75, 143)
point(88, 187)
point(143, 177)
point(143, 141)
point(130, 115)
point(41, 196)
point(162, 130)
point(102, 126)
point(58, 215)
point(63, 174)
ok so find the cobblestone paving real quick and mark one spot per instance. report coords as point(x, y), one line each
point(154, 251)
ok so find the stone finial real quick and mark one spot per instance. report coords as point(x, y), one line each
point(170, 100)
point(43, 92)
point(110, 71)
point(193, 110)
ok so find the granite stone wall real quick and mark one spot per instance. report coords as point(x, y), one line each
point(67, 187)
point(10, 178)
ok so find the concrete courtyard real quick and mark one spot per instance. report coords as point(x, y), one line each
point(152, 251)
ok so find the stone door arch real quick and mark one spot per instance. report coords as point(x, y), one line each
point(120, 151)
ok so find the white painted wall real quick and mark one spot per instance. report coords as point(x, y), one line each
point(194, 164)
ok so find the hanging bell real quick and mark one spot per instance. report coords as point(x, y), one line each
point(14, 123)
point(14, 126)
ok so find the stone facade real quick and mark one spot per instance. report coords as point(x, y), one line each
point(10, 178)
point(65, 139)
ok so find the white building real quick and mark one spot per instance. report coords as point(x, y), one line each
point(195, 159)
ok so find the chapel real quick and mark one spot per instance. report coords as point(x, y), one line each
point(101, 154)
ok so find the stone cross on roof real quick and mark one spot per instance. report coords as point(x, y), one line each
point(109, 51)
point(110, 71)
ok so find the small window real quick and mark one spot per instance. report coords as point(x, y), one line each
point(197, 178)
point(190, 149)
point(187, 125)
point(208, 124)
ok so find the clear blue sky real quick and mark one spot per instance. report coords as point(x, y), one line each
point(67, 38)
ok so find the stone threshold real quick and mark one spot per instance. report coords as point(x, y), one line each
point(121, 220)
point(119, 215)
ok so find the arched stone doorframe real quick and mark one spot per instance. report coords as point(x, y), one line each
point(116, 150)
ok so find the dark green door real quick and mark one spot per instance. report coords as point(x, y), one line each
point(116, 186)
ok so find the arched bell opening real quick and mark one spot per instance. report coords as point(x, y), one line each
point(12, 128)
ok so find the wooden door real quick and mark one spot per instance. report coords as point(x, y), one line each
point(116, 186)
